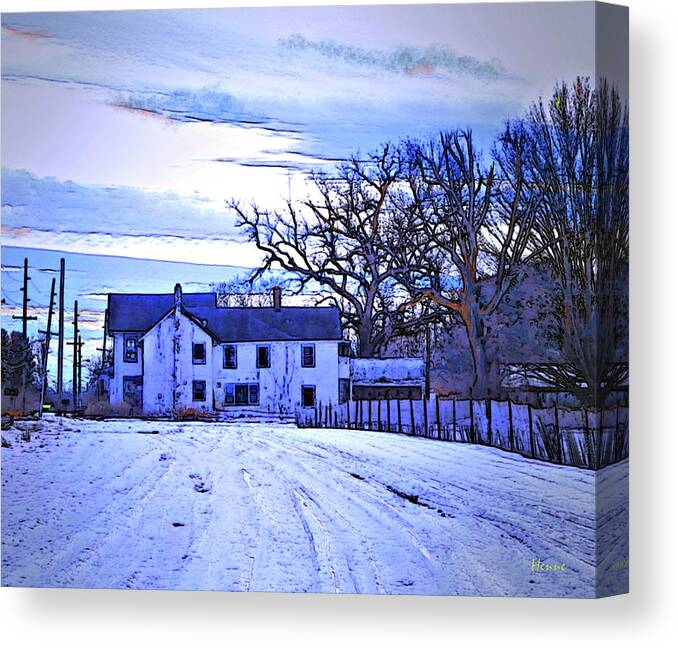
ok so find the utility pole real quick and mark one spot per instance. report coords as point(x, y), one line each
point(48, 338)
point(24, 317)
point(60, 350)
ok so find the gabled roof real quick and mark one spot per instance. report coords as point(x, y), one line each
point(139, 313)
point(200, 323)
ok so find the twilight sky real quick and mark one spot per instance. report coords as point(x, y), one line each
point(124, 132)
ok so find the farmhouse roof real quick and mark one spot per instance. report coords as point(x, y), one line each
point(140, 312)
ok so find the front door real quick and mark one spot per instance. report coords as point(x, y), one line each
point(133, 391)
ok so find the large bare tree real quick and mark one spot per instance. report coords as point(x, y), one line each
point(341, 242)
point(472, 234)
point(578, 159)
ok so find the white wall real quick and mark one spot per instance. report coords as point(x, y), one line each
point(168, 355)
point(280, 385)
point(122, 368)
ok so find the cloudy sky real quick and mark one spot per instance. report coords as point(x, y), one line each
point(124, 132)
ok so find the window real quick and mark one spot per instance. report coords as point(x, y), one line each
point(199, 390)
point(131, 348)
point(344, 390)
point(199, 353)
point(308, 355)
point(230, 356)
point(241, 394)
point(344, 349)
point(308, 395)
point(263, 357)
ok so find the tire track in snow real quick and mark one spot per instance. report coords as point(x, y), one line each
point(394, 520)
point(247, 478)
point(252, 536)
point(380, 495)
point(266, 513)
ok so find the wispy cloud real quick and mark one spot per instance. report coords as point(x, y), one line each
point(45, 213)
point(17, 32)
point(30, 202)
point(401, 60)
point(208, 104)
point(215, 252)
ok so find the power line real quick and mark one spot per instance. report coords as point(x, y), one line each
point(8, 275)
point(10, 300)
point(36, 287)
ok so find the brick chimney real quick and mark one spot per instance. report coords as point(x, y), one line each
point(277, 298)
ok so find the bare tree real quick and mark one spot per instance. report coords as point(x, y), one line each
point(245, 291)
point(341, 244)
point(578, 158)
point(472, 234)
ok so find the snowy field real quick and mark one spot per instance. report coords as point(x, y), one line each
point(267, 506)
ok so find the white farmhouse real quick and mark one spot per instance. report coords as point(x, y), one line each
point(174, 353)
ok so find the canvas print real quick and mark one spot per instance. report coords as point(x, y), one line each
point(323, 299)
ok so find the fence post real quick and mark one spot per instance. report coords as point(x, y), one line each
point(472, 424)
point(412, 415)
point(558, 436)
point(348, 414)
point(438, 416)
point(369, 414)
point(330, 406)
point(589, 440)
point(388, 414)
point(599, 446)
point(529, 416)
point(425, 404)
point(362, 427)
point(510, 413)
point(400, 423)
point(616, 455)
point(454, 419)
point(488, 415)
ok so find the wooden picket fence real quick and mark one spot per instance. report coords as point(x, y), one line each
point(576, 437)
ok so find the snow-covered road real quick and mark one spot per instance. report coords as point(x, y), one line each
point(267, 506)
